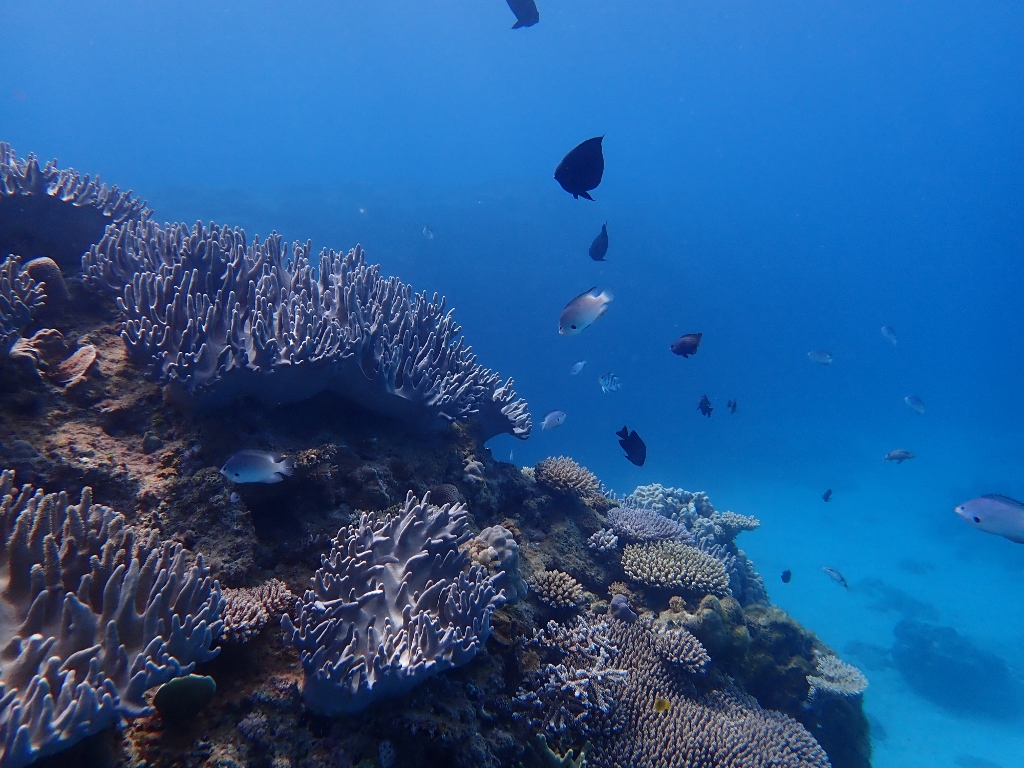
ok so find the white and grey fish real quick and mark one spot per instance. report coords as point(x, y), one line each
point(889, 333)
point(899, 455)
point(995, 514)
point(609, 383)
point(836, 576)
point(257, 467)
point(582, 311)
point(820, 356)
point(914, 403)
point(577, 367)
point(553, 419)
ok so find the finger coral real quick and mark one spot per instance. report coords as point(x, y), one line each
point(558, 589)
point(20, 297)
point(94, 614)
point(674, 564)
point(394, 603)
point(563, 475)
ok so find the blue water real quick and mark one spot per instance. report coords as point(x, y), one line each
point(780, 176)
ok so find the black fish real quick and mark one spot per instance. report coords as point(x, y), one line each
point(704, 406)
point(826, 495)
point(599, 247)
point(526, 13)
point(634, 447)
point(687, 344)
point(731, 405)
point(581, 170)
point(786, 576)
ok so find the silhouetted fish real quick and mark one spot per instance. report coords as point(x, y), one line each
point(836, 576)
point(731, 405)
point(899, 456)
point(914, 403)
point(599, 248)
point(826, 495)
point(581, 170)
point(786, 576)
point(687, 344)
point(820, 356)
point(890, 334)
point(995, 514)
point(582, 311)
point(257, 467)
point(704, 406)
point(526, 13)
point(636, 450)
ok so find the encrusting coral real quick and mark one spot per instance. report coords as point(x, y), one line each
point(95, 614)
point(674, 564)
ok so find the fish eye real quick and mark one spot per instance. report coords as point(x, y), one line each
point(977, 519)
point(573, 327)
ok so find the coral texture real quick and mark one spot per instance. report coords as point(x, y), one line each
point(214, 317)
point(46, 271)
point(638, 524)
point(679, 647)
point(56, 213)
point(496, 550)
point(563, 475)
point(603, 540)
point(95, 613)
point(20, 297)
point(248, 609)
point(674, 564)
point(558, 589)
point(394, 603)
point(835, 677)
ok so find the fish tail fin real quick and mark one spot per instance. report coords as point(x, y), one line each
point(607, 295)
point(585, 195)
point(287, 466)
point(518, 25)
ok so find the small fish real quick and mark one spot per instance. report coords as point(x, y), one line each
point(731, 405)
point(995, 514)
point(635, 448)
point(686, 344)
point(427, 232)
point(511, 454)
point(914, 403)
point(577, 367)
point(836, 576)
point(826, 495)
point(526, 13)
point(609, 383)
point(889, 333)
point(599, 248)
point(787, 575)
point(581, 170)
point(234, 497)
point(899, 456)
point(820, 356)
point(257, 467)
point(582, 311)
point(704, 406)
point(553, 419)
point(661, 704)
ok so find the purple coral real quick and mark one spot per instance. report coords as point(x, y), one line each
point(637, 524)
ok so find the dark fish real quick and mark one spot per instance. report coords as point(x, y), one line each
point(526, 13)
point(899, 456)
point(581, 170)
point(836, 576)
point(636, 450)
point(599, 247)
point(787, 575)
point(704, 406)
point(731, 405)
point(687, 344)
point(826, 495)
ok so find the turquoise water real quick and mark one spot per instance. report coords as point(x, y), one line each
point(780, 178)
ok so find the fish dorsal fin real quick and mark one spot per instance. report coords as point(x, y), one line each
point(588, 292)
point(1004, 499)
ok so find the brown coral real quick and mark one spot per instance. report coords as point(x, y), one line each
point(674, 564)
point(563, 475)
point(558, 589)
point(247, 610)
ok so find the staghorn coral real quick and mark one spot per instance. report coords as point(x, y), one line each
point(834, 677)
point(95, 614)
point(557, 589)
point(20, 298)
point(214, 317)
point(674, 564)
point(248, 609)
point(679, 647)
point(563, 475)
point(392, 604)
point(496, 550)
point(56, 213)
point(638, 524)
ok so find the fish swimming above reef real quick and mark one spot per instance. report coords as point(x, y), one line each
point(553, 419)
point(577, 367)
point(827, 495)
point(581, 170)
point(914, 403)
point(582, 311)
point(836, 576)
point(889, 333)
point(820, 356)
point(257, 467)
point(599, 248)
point(731, 405)
point(661, 704)
point(635, 448)
point(899, 456)
point(609, 383)
point(526, 13)
point(787, 576)
point(704, 406)
point(686, 344)
point(995, 514)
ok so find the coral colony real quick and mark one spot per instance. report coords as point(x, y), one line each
point(430, 605)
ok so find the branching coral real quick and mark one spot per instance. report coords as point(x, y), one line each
point(674, 564)
point(638, 524)
point(20, 298)
point(835, 677)
point(394, 603)
point(214, 317)
point(94, 614)
point(558, 589)
point(248, 609)
point(563, 475)
point(603, 540)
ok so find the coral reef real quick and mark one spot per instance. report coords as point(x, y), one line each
point(496, 550)
point(95, 614)
point(20, 297)
point(248, 610)
point(674, 564)
point(639, 524)
point(834, 677)
point(391, 605)
point(563, 475)
point(603, 540)
point(557, 589)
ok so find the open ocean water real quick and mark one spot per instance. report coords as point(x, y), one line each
point(781, 177)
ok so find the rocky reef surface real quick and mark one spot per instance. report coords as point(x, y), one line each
point(401, 597)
